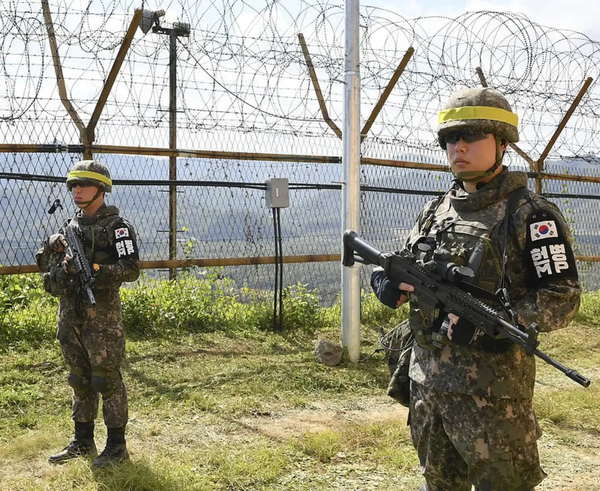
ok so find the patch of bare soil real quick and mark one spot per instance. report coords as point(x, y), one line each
point(321, 418)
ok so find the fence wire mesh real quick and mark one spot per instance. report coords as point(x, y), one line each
point(247, 110)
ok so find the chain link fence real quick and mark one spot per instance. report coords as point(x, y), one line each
point(247, 109)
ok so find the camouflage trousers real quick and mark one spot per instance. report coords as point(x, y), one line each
point(464, 440)
point(92, 342)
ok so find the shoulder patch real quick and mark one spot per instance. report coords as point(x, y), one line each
point(124, 239)
point(548, 252)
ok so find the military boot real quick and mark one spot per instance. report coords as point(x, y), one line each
point(115, 450)
point(82, 445)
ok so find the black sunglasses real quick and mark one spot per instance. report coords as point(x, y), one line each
point(468, 136)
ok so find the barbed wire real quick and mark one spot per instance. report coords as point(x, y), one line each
point(243, 81)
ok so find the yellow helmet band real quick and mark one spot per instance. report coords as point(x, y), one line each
point(478, 112)
point(86, 174)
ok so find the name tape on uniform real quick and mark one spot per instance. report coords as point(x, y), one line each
point(125, 248)
point(550, 260)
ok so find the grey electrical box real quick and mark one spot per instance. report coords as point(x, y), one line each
point(278, 193)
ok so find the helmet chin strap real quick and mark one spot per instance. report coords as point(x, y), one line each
point(86, 204)
point(474, 176)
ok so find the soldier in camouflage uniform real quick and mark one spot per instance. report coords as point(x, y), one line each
point(91, 337)
point(471, 414)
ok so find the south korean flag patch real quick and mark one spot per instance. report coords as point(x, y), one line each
point(125, 244)
point(546, 229)
point(548, 253)
point(121, 233)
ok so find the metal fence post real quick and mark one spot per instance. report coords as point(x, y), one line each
point(350, 181)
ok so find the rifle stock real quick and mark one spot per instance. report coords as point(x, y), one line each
point(82, 266)
point(437, 283)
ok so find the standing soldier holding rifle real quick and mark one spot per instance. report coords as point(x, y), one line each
point(471, 413)
point(84, 264)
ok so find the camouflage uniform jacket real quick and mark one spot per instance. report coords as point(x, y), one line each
point(471, 369)
point(108, 240)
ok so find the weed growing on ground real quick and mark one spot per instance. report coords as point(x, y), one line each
point(220, 402)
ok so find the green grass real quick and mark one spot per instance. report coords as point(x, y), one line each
point(204, 415)
point(220, 402)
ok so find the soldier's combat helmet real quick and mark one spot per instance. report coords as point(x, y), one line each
point(481, 109)
point(90, 173)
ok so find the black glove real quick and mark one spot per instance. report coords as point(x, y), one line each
point(463, 332)
point(386, 288)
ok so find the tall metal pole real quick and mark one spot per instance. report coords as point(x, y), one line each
point(178, 29)
point(172, 146)
point(350, 181)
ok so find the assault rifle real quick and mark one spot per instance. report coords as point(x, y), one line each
point(444, 283)
point(82, 266)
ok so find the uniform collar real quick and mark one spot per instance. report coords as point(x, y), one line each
point(102, 212)
point(498, 188)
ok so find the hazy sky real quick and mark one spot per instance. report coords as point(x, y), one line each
point(578, 15)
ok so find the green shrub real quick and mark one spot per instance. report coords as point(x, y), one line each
point(301, 309)
point(162, 308)
point(199, 301)
point(20, 290)
point(156, 308)
point(256, 312)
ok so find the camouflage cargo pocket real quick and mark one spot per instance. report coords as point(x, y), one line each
point(398, 344)
point(58, 283)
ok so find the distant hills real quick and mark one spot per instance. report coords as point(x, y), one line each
point(231, 220)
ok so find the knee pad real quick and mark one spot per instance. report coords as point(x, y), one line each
point(105, 382)
point(79, 379)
